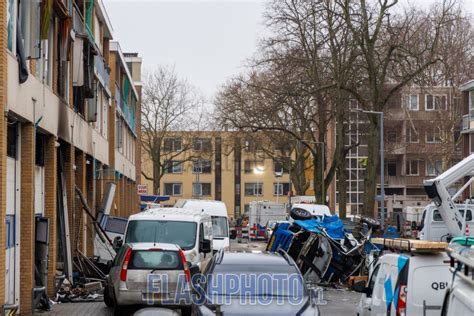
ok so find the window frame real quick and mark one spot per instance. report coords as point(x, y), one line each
point(428, 162)
point(282, 186)
point(408, 171)
point(257, 186)
point(201, 184)
point(409, 140)
point(408, 102)
point(434, 102)
point(173, 190)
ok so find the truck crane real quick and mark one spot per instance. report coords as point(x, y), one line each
point(454, 216)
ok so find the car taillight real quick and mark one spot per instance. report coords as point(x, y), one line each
point(187, 273)
point(402, 301)
point(123, 272)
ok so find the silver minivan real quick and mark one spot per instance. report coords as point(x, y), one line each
point(148, 274)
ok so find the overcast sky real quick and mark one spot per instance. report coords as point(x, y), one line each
point(206, 41)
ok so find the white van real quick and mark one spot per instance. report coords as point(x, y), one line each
point(459, 299)
point(218, 213)
point(434, 228)
point(189, 229)
point(405, 284)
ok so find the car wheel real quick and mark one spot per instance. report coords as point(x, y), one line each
point(300, 214)
point(108, 300)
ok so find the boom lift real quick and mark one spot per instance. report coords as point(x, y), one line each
point(437, 190)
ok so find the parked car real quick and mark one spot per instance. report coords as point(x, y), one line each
point(405, 284)
point(128, 282)
point(459, 299)
point(220, 221)
point(244, 265)
point(191, 230)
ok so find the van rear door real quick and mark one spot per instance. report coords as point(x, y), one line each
point(428, 282)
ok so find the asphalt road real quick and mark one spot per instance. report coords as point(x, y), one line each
point(335, 301)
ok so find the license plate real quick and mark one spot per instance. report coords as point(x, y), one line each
point(155, 296)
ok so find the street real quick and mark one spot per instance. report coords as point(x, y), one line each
point(338, 301)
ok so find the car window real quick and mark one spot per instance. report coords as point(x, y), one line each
point(219, 226)
point(119, 257)
point(155, 259)
point(437, 216)
point(173, 232)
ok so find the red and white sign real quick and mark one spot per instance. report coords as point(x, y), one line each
point(142, 188)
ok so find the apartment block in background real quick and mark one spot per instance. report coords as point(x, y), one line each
point(70, 121)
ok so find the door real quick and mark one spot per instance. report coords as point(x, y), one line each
point(381, 282)
point(366, 300)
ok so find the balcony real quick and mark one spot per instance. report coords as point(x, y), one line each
point(102, 72)
point(127, 111)
point(403, 181)
point(467, 123)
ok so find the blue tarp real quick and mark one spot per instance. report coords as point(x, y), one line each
point(332, 225)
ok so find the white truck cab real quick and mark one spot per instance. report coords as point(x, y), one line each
point(459, 299)
point(412, 283)
point(440, 191)
point(220, 221)
point(434, 228)
point(191, 230)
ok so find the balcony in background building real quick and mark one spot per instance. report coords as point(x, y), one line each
point(403, 181)
point(467, 123)
point(102, 72)
point(127, 111)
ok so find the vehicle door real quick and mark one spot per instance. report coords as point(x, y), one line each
point(382, 285)
point(205, 233)
point(438, 231)
point(156, 274)
point(366, 299)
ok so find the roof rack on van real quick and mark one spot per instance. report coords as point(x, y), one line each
point(411, 245)
point(462, 258)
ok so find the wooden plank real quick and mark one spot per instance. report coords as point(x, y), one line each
point(411, 244)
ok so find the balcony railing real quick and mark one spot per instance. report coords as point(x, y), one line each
point(127, 111)
point(102, 71)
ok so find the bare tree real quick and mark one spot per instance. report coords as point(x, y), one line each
point(170, 106)
point(395, 48)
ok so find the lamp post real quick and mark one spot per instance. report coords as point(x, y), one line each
point(323, 193)
point(258, 170)
point(382, 161)
point(278, 175)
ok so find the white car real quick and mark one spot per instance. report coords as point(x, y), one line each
point(405, 284)
point(459, 299)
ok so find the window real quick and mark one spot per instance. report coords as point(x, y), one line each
point(433, 136)
point(412, 168)
point(411, 102)
point(281, 164)
point(471, 103)
point(201, 189)
point(119, 133)
point(434, 168)
point(39, 150)
point(435, 102)
point(411, 135)
point(250, 165)
point(12, 140)
point(202, 144)
point(11, 24)
point(253, 189)
point(392, 136)
point(392, 168)
point(202, 166)
point(173, 189)
point(437, 216)
point(172, 144)
point(281, 188)
point(173, 166)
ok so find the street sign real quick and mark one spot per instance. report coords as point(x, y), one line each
point(142, 188)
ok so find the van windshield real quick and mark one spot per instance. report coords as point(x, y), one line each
point(219, 227)
point(172, 232)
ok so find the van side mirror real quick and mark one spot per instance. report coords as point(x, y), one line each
point(359, 286)
point(205, 246)
point(193, 268)
point(117, 243)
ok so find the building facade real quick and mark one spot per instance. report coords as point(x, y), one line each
point(421, 138)
point(219, 166)
point(71, 120)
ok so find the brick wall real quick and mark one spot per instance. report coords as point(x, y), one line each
point(50, 206)
point(27, 217)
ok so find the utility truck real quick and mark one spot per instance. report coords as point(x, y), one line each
point(444, 219)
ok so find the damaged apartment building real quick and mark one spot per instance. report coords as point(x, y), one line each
point(71, 104)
